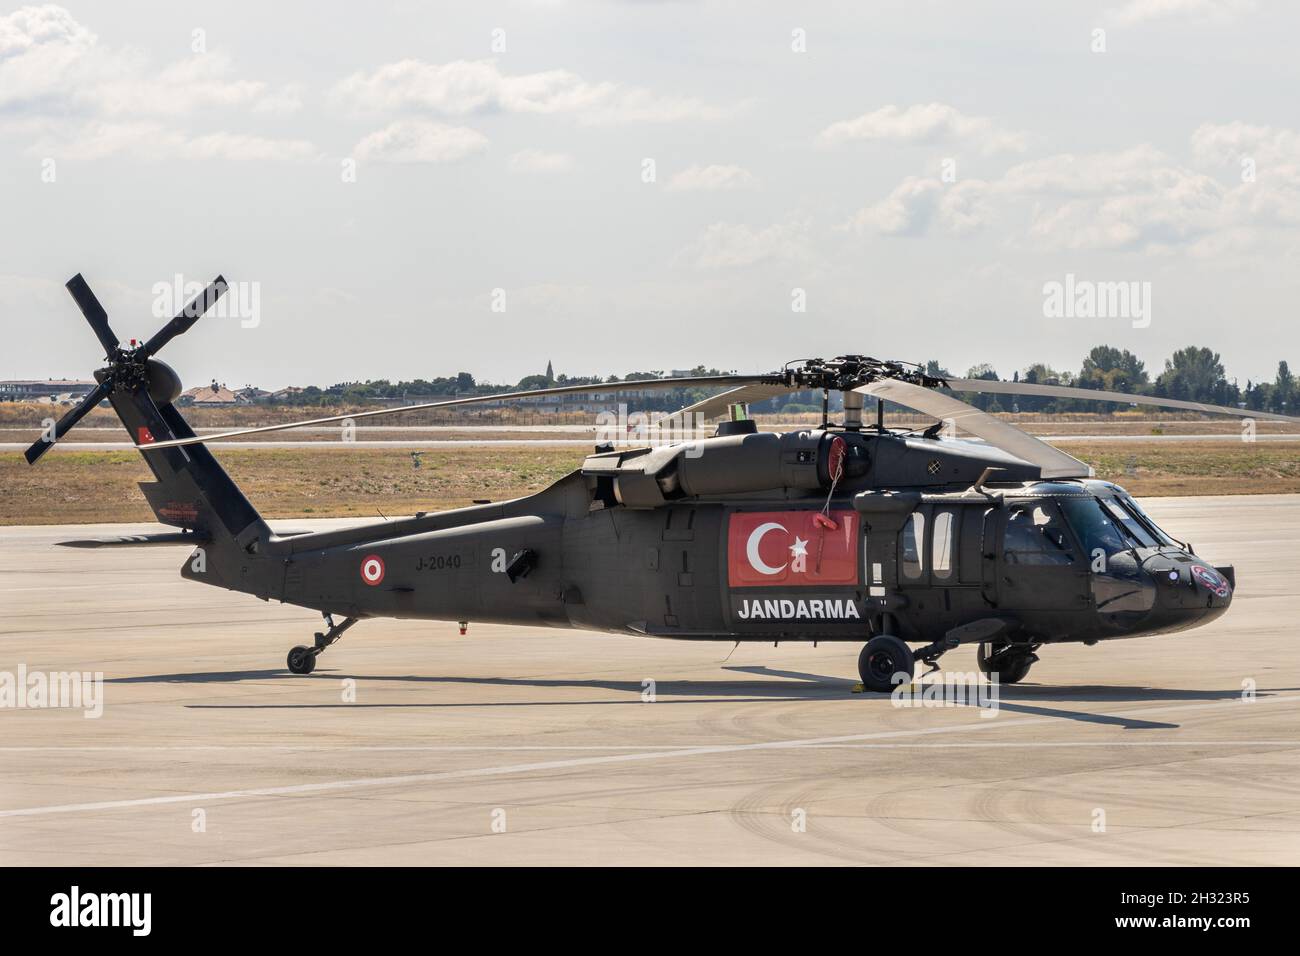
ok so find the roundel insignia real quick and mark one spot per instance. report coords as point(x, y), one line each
point(1211, 580)
point(372, 569)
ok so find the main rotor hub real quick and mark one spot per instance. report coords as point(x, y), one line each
point(844, 373)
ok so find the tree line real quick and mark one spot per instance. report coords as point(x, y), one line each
point(1194, 373)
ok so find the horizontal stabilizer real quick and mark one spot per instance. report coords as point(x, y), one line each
point(162, 537)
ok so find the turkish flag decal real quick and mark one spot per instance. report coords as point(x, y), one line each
point(792, 548)
point(144, 436)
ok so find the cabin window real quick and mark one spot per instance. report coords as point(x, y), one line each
point(1035, 535)
point(943, 545)
point(914, 547)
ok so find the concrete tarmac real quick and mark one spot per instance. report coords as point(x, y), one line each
point(413, 745)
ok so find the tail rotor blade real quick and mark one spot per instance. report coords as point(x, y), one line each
point(93, 311)
point(187, 316)
point(64, 424)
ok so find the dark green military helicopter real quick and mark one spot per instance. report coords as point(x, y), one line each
point(849, 531)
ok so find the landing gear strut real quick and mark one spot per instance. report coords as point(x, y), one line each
point(1008, 662)
point(302, 660)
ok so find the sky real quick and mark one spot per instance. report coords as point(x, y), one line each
point(411, 189)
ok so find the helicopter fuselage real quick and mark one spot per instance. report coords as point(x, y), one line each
point(827, 557)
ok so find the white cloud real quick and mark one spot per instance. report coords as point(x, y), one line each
point(51, 63)
point(420, 141)
point(462, 87)
point(1139, 198)
point(1135, 198)
point(540, 161)
point(708, 178)
point(39, 46)
point(727, 245)
point(1232, 142)
point(924, 124)
point(155, 142)
point(1142, 11)
point(916, 204)
point(1092, 174)
point(203, 81)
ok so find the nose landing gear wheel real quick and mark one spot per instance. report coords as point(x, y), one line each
point(301, 660)
point(1010, 664)
point(882, 658)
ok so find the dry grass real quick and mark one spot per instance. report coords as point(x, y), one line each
point(334, 480)
point(77, 486)
point(1195, 468)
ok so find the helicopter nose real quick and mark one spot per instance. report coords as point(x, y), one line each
point(1186, 583)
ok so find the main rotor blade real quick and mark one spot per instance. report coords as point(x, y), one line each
point(657, 384)
point(1052, 462)
point(718, 404)
point(61, 428)
point(186, 318)
point(1098, 395)
point(93, 311)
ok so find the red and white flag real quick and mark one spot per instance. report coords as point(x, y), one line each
point(792, 548)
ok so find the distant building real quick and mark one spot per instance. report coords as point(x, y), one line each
point(45, 390)
point(209, 396)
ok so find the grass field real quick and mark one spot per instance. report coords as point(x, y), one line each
point(334, 480)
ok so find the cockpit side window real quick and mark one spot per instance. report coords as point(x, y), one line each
point(1036, 535)
point(1095, 526)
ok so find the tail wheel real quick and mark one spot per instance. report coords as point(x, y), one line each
point(1009, 663)
point(884, 657)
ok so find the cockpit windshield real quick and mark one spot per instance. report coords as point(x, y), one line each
point(1095, 526)
point(1132, 506)
point(1112, 524)
point(1132, 525)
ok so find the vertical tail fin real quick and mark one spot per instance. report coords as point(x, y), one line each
point(190, 489)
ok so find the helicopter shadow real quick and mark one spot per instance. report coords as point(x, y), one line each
point(771, 685)
point(1016, 698)
point(672, 692)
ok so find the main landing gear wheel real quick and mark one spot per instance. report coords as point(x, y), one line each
point(882, 658)
point(301, 660)
point(1008, 662)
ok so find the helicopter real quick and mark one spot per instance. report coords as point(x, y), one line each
point(912, 543)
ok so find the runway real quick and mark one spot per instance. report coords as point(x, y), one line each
point(413, 745)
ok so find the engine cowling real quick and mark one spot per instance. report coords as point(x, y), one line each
point(733, 464)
